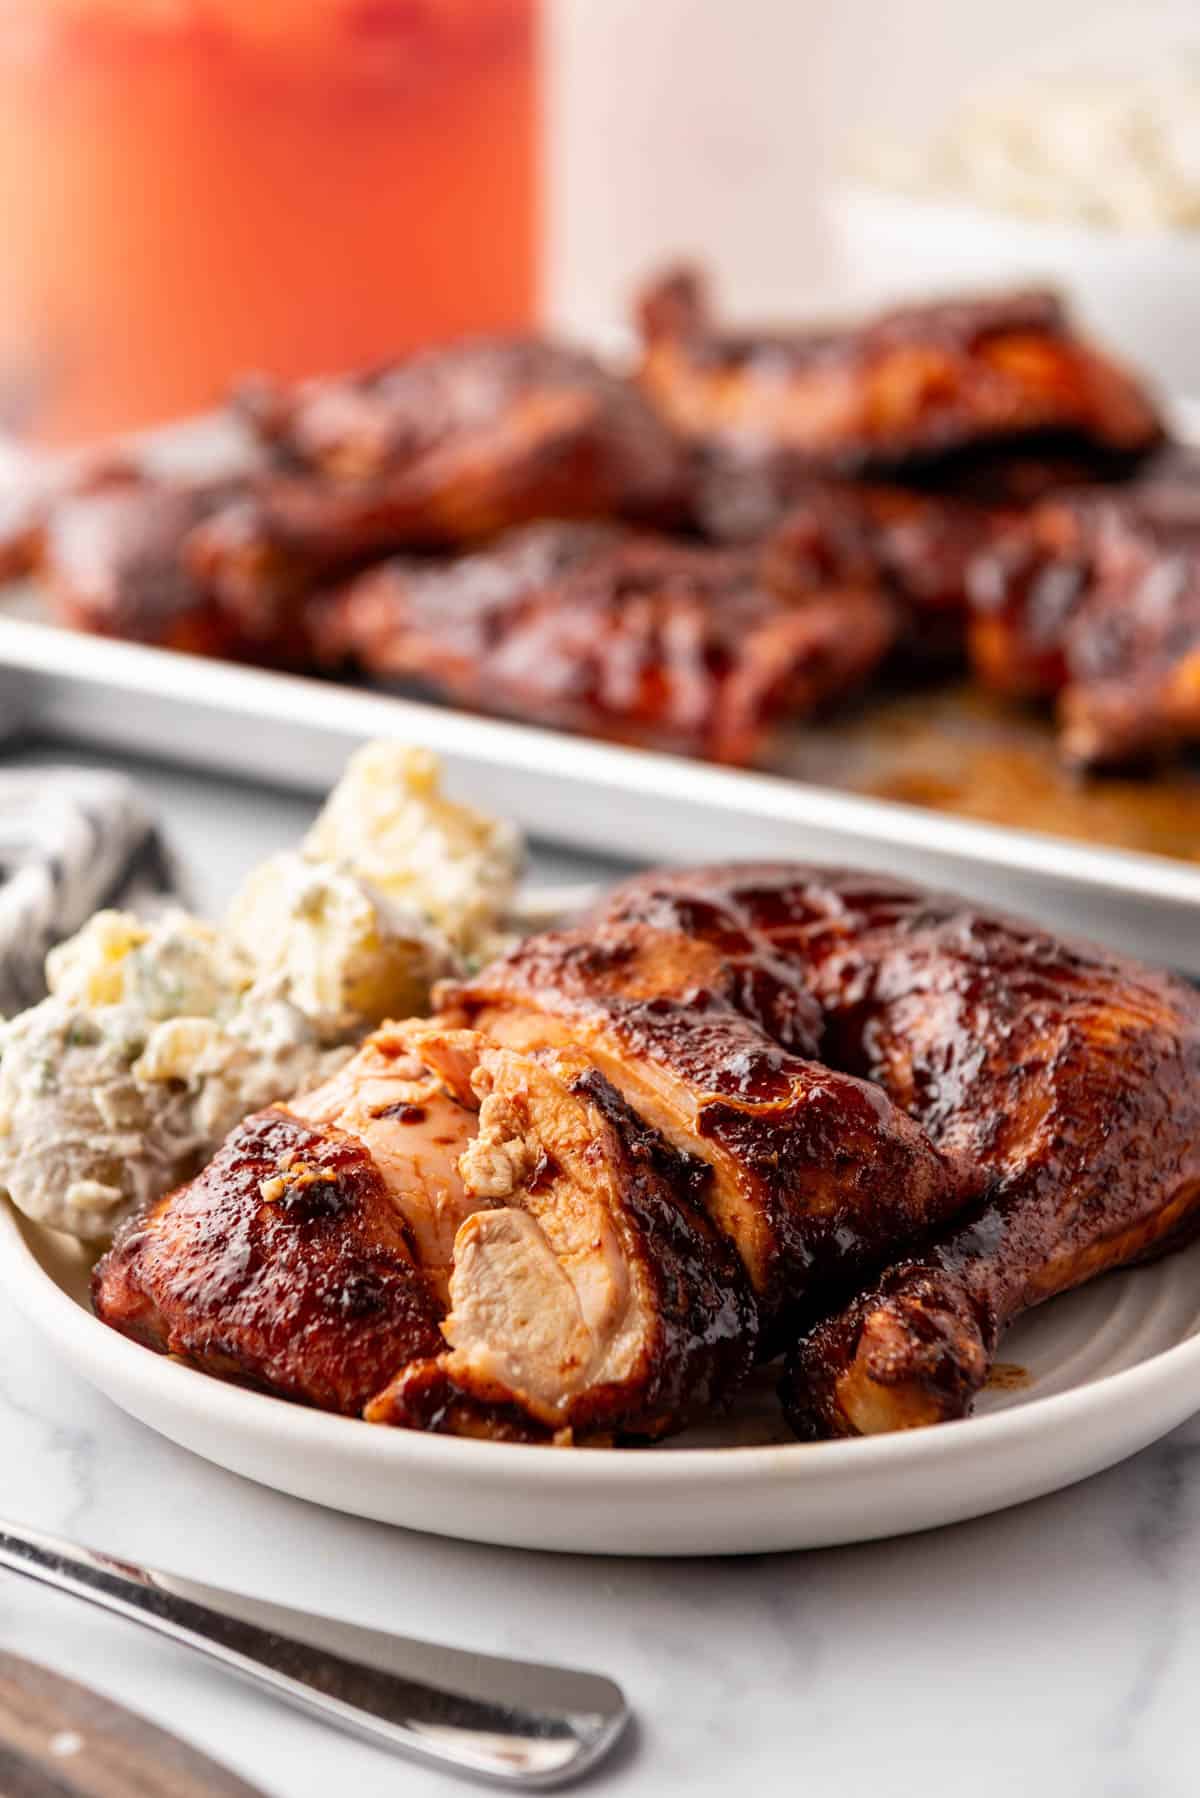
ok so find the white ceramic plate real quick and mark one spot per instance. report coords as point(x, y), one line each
point(1092, 1378)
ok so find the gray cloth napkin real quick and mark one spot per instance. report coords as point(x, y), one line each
point(71, 841)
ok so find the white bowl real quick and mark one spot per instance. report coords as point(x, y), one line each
point(1139, 293)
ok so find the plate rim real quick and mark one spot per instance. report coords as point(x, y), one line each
point(45, 1303)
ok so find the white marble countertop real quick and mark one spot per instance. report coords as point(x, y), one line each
point(1045, 1650)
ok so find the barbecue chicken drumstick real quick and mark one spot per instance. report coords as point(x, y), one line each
point(1061, 1081)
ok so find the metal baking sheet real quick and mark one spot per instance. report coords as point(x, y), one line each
point(942, 748)
point(625, 802)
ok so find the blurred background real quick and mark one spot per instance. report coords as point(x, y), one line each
point(195, 187)
point(727, 128)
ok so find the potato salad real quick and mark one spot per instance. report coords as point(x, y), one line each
point(158, 1036)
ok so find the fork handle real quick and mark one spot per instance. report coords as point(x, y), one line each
point(512, 1722)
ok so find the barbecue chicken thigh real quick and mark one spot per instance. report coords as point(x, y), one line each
point(642, 639)
point(470, 438)
point(1094, 598)
point(1061, 1082)
point(902, 388)
point(113, 557)
point(445, 449)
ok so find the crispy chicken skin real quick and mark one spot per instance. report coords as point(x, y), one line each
point(311, 1255)
point(1062, 1082)
point(635, 638)
point(312, 1294)
point(908, 385)
point(1095, 598)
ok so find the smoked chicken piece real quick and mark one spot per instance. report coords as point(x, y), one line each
point(419, 616)
point(1060, 1081)
point(908, 386)
point(590, 1295)
point(630, 637)
point(110, 540)
point(111, 557)
point(576, 1204)
point(34, 485)
point(478, 435)
point(444, 449)
point(917, 547)
point(1095, 598)
point(311, 1256)
point(813, 1176)
point(284, 1264)
point(318, 1252)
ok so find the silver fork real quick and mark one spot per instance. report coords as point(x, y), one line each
point(514, 1723)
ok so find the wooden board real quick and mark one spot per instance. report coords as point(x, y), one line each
point(60, 1740)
